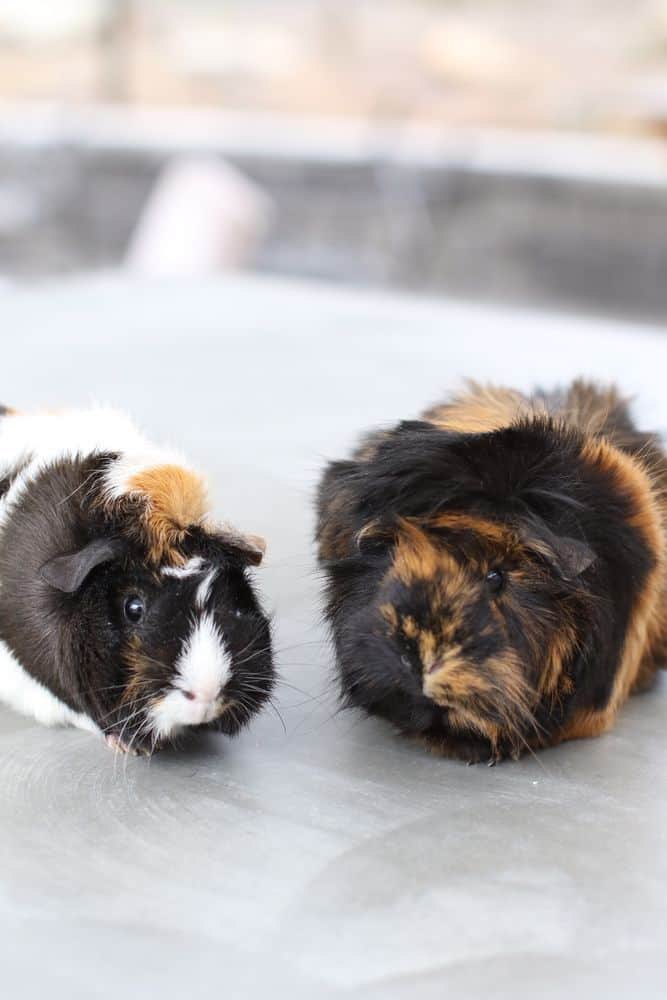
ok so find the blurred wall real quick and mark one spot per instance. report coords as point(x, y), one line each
point(503, 149)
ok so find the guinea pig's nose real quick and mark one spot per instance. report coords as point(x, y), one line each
point(202, 694)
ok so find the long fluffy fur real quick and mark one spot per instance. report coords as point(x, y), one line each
point(562, 494)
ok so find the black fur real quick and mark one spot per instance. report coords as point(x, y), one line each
point(529, 477)
point(79, 645)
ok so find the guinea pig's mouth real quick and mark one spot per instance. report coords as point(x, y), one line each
point(196, 693)
point(490, 699)
point(180, 708)
point(452, 681)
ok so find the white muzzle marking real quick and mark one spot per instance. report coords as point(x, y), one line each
point(202, 670)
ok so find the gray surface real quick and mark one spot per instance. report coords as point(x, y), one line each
point(336, 858)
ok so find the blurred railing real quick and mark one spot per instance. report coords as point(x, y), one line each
point(552, 221)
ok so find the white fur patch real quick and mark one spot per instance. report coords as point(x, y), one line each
point(204, 589)
point(194, 567)
point(36, 440)
point(202, 669)
point(66, 434)
point(25, 694)
point(121, 473)
point(191, 568)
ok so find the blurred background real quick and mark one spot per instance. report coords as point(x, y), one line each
point(499, 150)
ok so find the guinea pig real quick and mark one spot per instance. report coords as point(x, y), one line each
point(495, 572)
point(124, 609)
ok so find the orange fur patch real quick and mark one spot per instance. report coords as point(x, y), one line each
point(135, 661)
point(390, 615)
point(175, 499)
point(482, 408)
point(410, 627)
point(453, 680)
point(416, 558)
point(488, 531)
point(555, 656)
point(646, 620)
point(428, 648)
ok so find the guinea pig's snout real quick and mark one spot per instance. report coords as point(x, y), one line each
point(203, 667)
point(447, 677)
point(205, 695)
point(201, 673)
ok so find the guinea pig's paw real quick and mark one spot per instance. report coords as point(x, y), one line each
point(135, 748)
point(469, 749)
point(115, 743)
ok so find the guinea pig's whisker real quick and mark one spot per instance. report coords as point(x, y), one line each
point(301, 645)
point(251, 656)
point(139, 733)
point(249, 690)
point(338, 711)
point(122, 732)
point(125, 722)
point(158, 663)
point(530, 750)
point(246, 684)
point(278, 650)
point(278, 682)
point(242, 714)
point(85, 482)
point(252, 675)
point(232, 711)
point(134, 702)
point(277, 712)
point(248, 645)
point(111, 687)
point(309, 695)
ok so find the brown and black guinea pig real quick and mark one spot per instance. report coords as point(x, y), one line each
point(496, 575)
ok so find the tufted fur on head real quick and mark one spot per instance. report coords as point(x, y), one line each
point(124, 608)
point(496, 572)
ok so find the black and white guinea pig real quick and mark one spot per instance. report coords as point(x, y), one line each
point(124, 609)
point(496, 572)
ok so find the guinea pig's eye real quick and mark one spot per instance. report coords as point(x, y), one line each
point(372, 545)
point(134, 609)
point(495, 581)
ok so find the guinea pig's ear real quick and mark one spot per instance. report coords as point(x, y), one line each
point(570, 557)
point(336, 506)
point(68, 572)
point(249, 549)
point(574, 557)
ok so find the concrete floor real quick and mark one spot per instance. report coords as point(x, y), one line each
point(333, 858)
